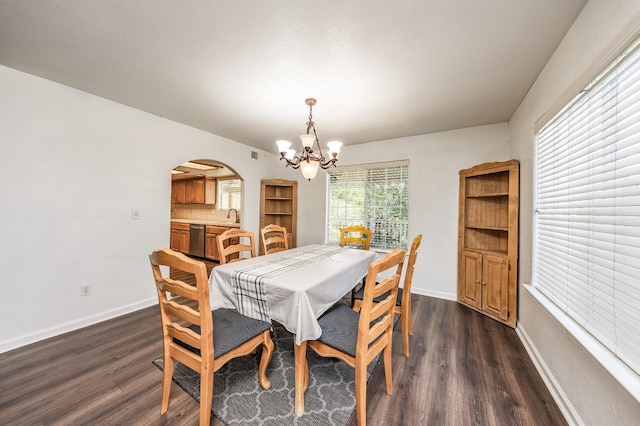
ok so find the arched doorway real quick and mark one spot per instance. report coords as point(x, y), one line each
point(206, 199)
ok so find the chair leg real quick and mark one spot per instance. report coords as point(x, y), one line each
point(265, 359)
point(387, 367)
point(206, 395)
point(406, 330)
point(361, 392)
point(353, 291)
point(408, 311)
point(167, 374)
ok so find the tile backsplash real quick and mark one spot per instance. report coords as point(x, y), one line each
point(199, 212)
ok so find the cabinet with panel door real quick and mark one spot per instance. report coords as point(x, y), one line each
point(179, 240)
point(211, 243)
point(488, 239)
point(200, 190)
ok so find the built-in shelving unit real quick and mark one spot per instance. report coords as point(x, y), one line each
point(279, 206)
point(488, 239)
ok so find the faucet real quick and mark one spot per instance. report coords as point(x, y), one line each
point(237, 217)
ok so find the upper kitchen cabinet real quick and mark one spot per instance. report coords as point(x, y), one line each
point(201, 190)
point(177, 192)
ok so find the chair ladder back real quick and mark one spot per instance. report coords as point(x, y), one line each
point(179, 310)
point(355, 235)
point(234, 242)
point(383, 311)
point(408, 274)
point(274, 238)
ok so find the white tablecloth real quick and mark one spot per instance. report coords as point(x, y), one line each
point(293, 287)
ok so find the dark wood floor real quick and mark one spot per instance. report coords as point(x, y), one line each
point(464, 369)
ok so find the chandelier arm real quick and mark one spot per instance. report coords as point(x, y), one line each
point(326, 164)
point(294, 164)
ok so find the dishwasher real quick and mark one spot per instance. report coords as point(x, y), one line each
point(196, 240)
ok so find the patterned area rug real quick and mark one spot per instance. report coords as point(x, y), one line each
point(239, 400)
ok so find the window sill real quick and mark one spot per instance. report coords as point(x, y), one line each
point(628, 378)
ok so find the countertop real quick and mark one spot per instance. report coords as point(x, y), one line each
point(207, 222)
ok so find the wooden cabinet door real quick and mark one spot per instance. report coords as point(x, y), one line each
point(194, 191)
point(184, 241)
point(211, 247)
point(470, 280)
point(179, 240)
point(178, 192)
point(211, 241)
point(175, 239)
point(495, 283)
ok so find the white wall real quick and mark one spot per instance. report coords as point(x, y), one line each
point(435, 160)
point(72, 167)
point(588, 394)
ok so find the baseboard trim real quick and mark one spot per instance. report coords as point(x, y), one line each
point(570, 415)
point(74, 325)
point(438, 294)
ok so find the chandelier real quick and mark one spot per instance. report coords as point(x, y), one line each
point(308, 161)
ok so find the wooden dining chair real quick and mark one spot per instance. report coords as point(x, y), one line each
point(358, 337)
point(403, 301)
point(235, 242)
point(200, 339)
point(274, 239)
point(359, 237)
point(355, 236)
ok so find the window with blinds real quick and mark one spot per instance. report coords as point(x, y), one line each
point(587, 217)
point(375, 196)
point(229, 194)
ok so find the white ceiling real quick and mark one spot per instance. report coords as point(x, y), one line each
point(242, 69)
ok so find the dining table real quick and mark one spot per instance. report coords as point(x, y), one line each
point(292, 287)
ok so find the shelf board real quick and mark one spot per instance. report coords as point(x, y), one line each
point(278, 213)
point(491, 195)
point(487, 251)
point(279, 198)
point(487, 228)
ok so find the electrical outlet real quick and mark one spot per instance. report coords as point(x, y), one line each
point(85, 290)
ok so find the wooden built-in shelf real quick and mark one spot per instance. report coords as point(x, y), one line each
point(278, 206)
point(490, 228)
point(497, 194)
point(488, 239)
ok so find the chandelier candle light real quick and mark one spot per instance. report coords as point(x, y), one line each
point(308, 161)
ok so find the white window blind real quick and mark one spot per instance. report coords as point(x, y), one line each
point(229, 194)
point(587, 221)
point(373, 195)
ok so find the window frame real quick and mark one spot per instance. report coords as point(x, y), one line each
point(623, 372)
point(383, 241)
point(230, 204)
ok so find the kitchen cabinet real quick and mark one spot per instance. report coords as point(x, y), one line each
point(180, 237)
point(200, 190)
point(279, 206)
point(211, 243)
point(488, 239)
point(177, 191)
